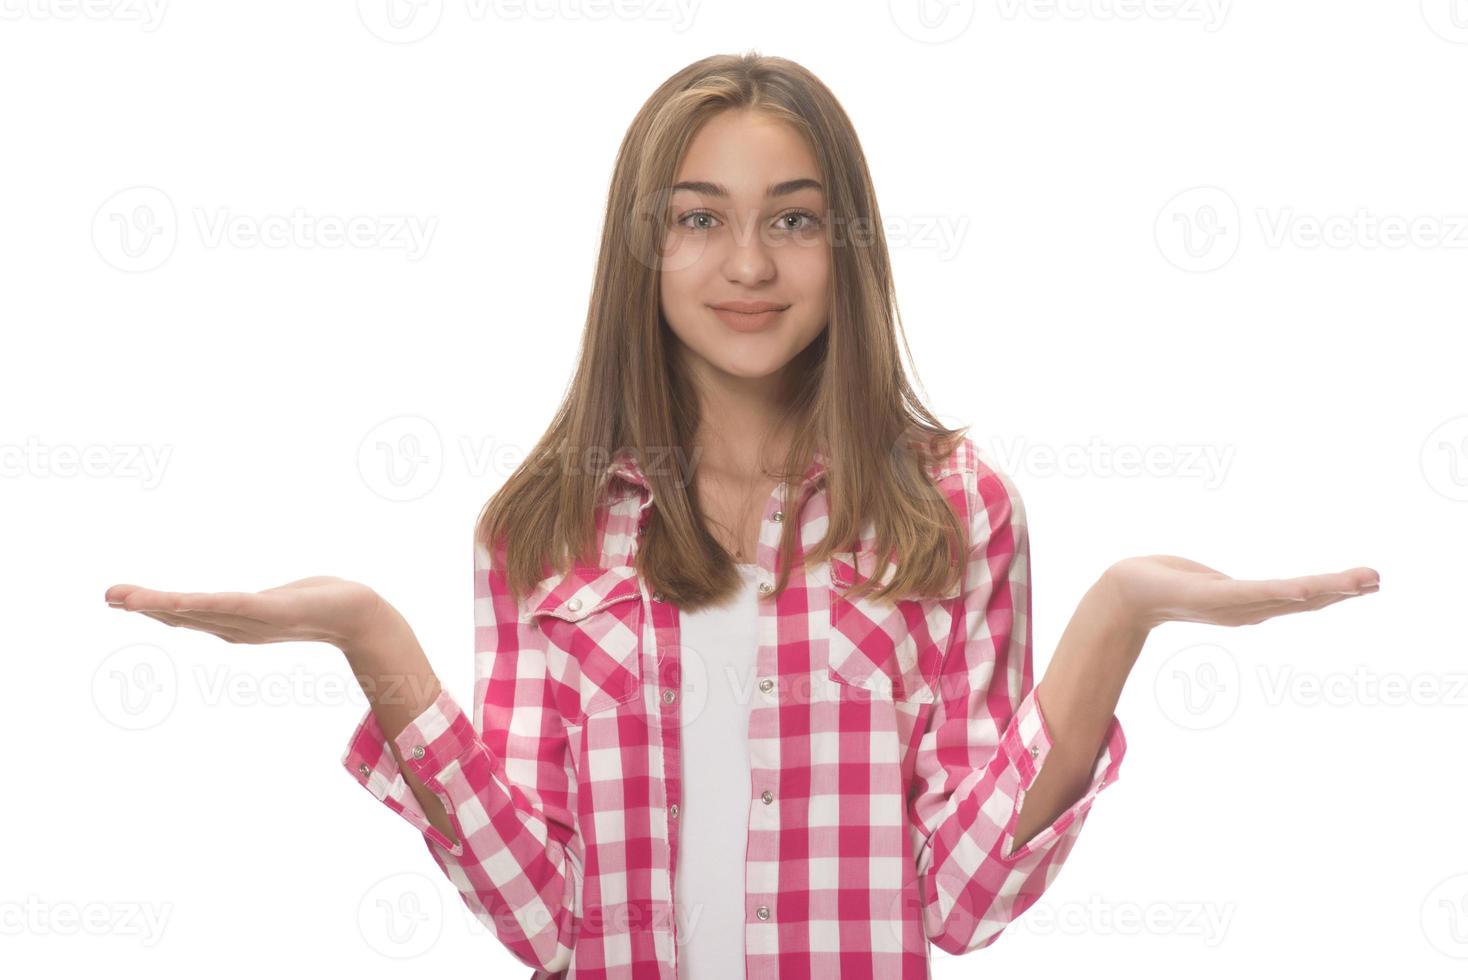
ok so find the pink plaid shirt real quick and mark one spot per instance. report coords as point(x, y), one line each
point(890, 749)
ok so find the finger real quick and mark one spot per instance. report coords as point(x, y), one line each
point(1304, 587)
point(234, 603)
point(243, 624)
point(1263, 611)
point(223, 632)
point(1317, 602)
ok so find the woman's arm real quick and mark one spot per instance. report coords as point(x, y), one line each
point(390, 665)
point(493, 795)
point(1079, 692)
point(1078, 697)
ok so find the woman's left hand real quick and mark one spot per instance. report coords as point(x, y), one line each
point(1165, 588)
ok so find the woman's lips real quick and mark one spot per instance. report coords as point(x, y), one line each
point(748, 322)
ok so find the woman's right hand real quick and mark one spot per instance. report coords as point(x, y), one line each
point(323, 607)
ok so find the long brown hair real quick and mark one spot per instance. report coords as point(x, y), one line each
point(846, 395)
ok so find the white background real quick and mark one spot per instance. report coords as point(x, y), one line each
point(1285, 347)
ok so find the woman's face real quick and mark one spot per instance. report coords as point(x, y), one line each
point(747, 226)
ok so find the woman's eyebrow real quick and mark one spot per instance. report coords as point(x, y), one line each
point(774, 190)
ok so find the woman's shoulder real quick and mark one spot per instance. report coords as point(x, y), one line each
point(985, 486)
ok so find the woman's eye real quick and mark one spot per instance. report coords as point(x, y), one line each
point(798, 221)
point(695, 215)
point(812, 222)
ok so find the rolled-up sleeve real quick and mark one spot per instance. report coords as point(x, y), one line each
point(503, 781)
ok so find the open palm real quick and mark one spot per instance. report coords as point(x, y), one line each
point(323, 607)
point(1167, 588)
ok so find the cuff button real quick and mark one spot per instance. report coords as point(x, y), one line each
point(418, 752)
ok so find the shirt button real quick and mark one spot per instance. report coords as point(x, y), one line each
point(767, 796)
point(767, 685)
point(573, 604)
point(657, 597)
point(779, 516)
point(1034, 752)
point(765, 588)
point(763, 911)
point(363, 769)
point(673, 810)
point(419, 752)
point(668, 695)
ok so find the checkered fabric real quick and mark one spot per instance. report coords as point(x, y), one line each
point(890, 748)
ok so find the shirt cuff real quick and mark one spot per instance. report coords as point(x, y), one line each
point(440, 734)
point(1026, 743)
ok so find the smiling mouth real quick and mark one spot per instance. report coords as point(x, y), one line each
point(750, 321)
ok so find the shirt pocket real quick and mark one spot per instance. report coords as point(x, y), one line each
point(889, 651)
point(592, 622)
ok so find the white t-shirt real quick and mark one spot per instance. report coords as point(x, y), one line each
point(719, 646)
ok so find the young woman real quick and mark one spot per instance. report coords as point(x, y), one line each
point(754, 689)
